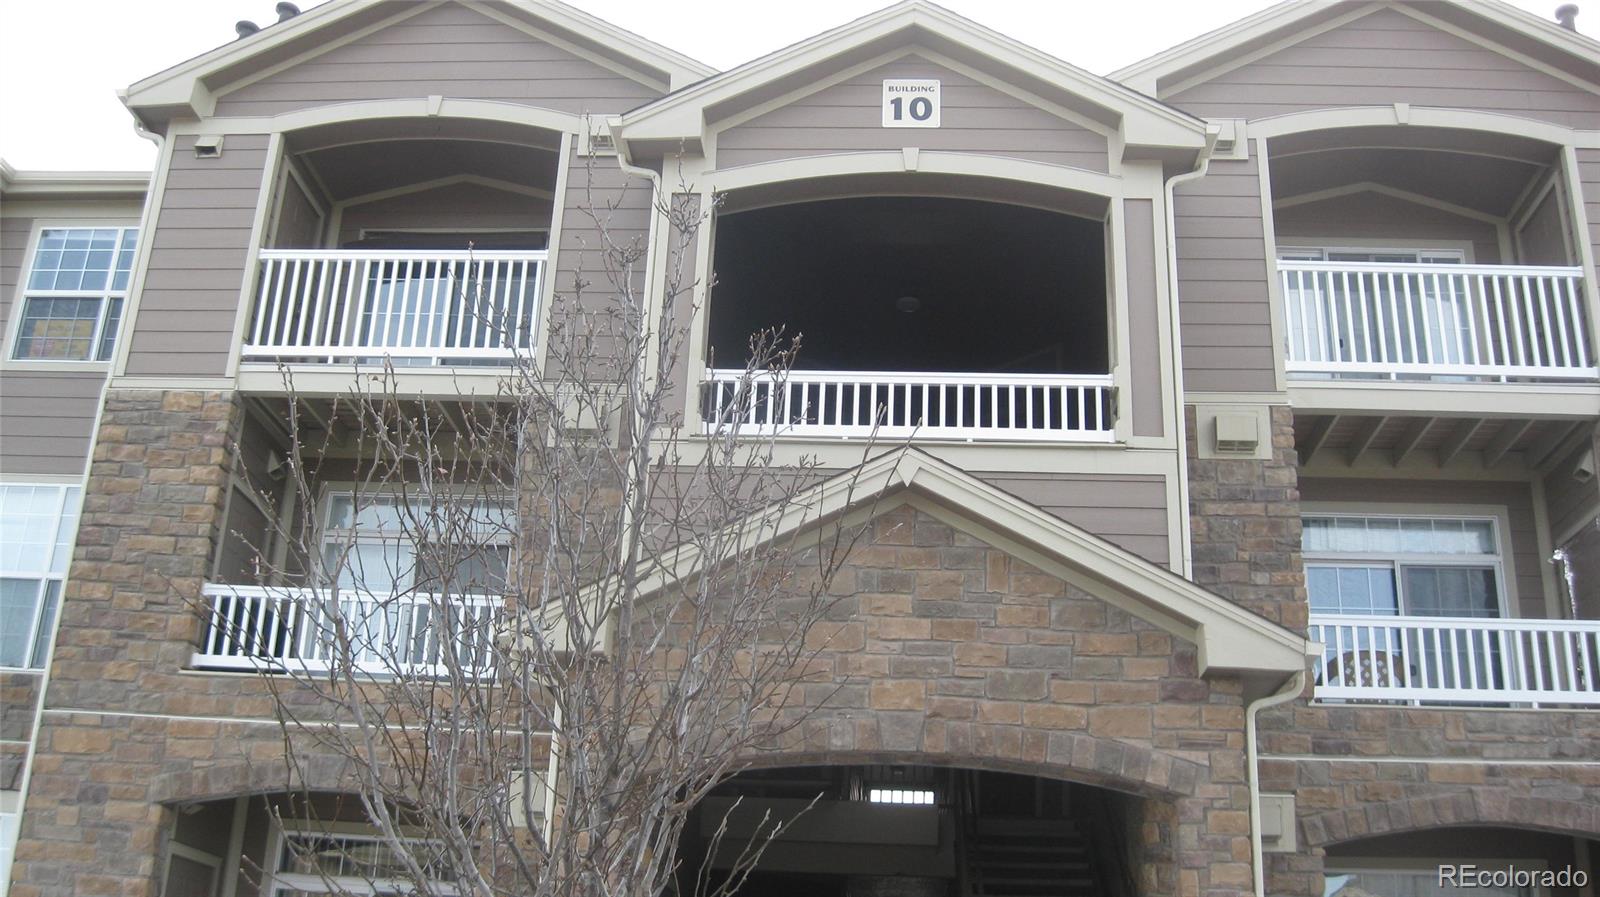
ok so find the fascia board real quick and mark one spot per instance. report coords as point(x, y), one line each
point(680, 70)
point(682, 115)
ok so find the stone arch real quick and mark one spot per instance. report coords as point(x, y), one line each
point(1071, 757)
point(1492, 807)
point(235, 778)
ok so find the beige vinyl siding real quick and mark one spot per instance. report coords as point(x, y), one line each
point(190, 298)
point(299, 224)
point(461, 207)
point(1225, 312)
point(449, 51)
point(14, 236)
point(1143, 317)
point(1527, 592)
point(1541, 239)
point(602, 206)
point(1569, 502)
point(847, 117)
point(1128, 510)
point(47, 420)
point(1589, 178)
point(1395, 222)
point(1384, 58)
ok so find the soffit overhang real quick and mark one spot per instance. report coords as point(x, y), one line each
point(1146, 128)
point(189, 89)
point(1230, 639)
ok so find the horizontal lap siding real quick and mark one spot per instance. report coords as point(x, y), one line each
point(450, 51)
point(1589, 176)
point(602, 207)
point(1527, 592)
point(1225, 310)
point(1384, 58)
point(466, 207)
point(46, 420)
point(14, 236)
point(1127, 510)
point(847, 117)
point(190, 296)
point(1374, 216)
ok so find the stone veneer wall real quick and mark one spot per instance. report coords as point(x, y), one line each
point(1245, 526)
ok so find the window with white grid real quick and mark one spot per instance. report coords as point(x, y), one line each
point(73, 294)
point(37, 523)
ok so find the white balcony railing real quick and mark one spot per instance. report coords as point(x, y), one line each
point(1457, 660)
point(305, 630)
point(848, 404)
point(412, 306)
point(1479, 321)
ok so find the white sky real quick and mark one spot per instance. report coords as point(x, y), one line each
point(63, 60)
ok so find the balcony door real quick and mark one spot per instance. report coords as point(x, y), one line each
point(1365, 314)
point(1372, 566)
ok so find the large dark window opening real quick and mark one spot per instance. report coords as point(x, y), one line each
point(914, 284)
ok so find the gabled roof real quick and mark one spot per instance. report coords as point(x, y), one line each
point(683, 115)
point(1230, 639)
point(1493, 19)
point(186, 88)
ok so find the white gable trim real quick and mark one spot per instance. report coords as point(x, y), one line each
point(1229, 638)
point(682, 115)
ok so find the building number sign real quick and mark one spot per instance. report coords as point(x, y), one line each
point(910, 103)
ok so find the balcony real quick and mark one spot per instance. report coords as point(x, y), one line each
point(1481, 322)
point(1457, 660)
point(857, 404)
point(287, 630)
point(415, 307)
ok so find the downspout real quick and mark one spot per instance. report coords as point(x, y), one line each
point(1202, 164)
point(1252, 762)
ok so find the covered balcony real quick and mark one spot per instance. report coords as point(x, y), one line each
point(918, 316)
point(420, 242)
point(1428, 255)
point(337, 560)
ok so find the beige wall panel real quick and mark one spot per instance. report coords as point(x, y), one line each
point(190, 297)
point(1517, 498)
point(847, 117)
point(1225, 312)
point(1127, 510)
point(1144, 318)
point(1368, 217)
point(1383, 58)
point(1542, 238)
point(47, 420)
point(1589, 179)
point(449, 51)
point(466, 207)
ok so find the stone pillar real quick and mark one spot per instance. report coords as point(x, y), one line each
point(1245, 523)
point(152, 511)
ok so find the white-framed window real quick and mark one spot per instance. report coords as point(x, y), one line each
point(1394, 565)
point(38, 523)
point(73, 292)
point(896, 795)
point(1418, 878)
point(384, 544)
point(339, 859)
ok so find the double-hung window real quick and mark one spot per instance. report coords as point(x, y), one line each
point(1391, 566)
point(37, 525)
point(73, 294)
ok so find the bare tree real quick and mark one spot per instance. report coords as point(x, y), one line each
point(540, 626)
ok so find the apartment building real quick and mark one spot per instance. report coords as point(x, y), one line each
point(1247, 534)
